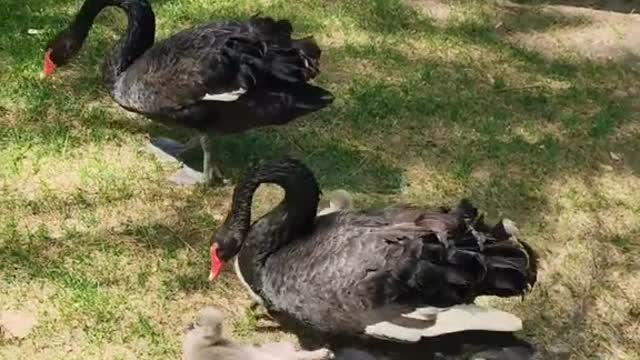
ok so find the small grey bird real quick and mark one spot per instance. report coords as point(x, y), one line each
point(338, 200)
point(204, 341)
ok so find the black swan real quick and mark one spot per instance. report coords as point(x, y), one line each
point(217, 78)
point(399, 273)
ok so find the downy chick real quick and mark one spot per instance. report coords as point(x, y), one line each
point(204, 341)
point(338, 200)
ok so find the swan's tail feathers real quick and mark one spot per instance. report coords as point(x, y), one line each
point(309, 47)
point(511, 270)
point(291, 60)
point(512, 265)
point(291, 65)
point(508, 266)
point(242, 56)
point(467, 257)
point(433, 321)
point(308, 98)
point(532, 274)
point(262, 62)
point(268, 54)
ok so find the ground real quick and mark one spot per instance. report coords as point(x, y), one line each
point(528, 108)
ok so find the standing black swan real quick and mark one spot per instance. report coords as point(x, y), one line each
point(398, 273)
point(222, 77)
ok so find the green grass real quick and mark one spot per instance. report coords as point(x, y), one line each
point(113, 260)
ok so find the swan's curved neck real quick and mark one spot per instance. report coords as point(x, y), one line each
point(293, 218)
point(139, 37)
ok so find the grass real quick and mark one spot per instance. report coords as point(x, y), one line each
point(113, 260)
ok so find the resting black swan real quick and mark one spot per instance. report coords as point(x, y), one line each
point(217, 78)
point(355, 273)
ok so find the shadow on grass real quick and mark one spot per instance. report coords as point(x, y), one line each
point(532, 19)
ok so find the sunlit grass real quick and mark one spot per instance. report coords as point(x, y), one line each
point(113, 260)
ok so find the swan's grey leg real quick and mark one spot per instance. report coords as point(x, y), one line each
point(169, 150)
point(191, 144)
point(212, 173)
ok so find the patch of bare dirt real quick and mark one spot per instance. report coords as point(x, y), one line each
point(624, 6)
point(438, 10)
point(14, 324)
point(605, 35)
point(557, 28)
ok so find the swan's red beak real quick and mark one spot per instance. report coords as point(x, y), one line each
point(49, 65)
point(216, 263)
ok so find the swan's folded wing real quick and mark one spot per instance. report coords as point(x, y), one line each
point(432, 321)
point(213, 63)
point(187, 68)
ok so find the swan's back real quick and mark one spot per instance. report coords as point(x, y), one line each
point(356, 268)
point(216, 58)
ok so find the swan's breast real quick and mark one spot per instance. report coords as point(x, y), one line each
point(252, 294)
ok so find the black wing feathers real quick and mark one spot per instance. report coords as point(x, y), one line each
point(262, 53)
point(474, 259)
